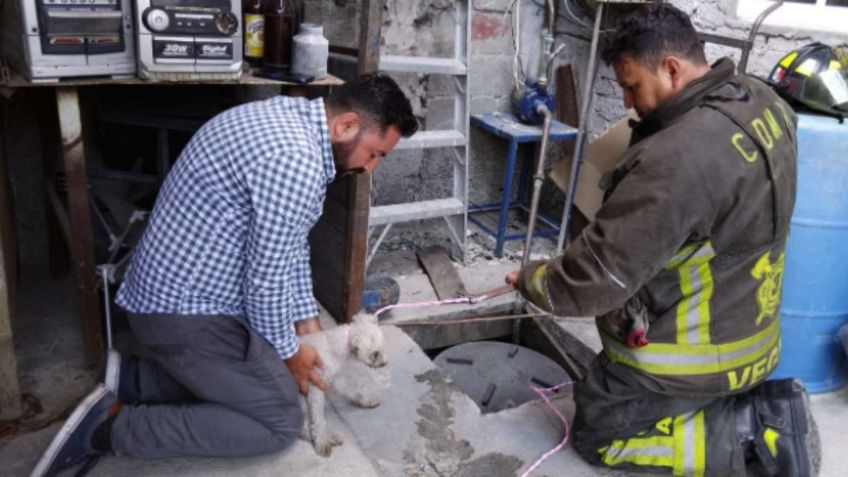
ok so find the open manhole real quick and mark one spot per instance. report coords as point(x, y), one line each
point(484, 363)
point(499, 375)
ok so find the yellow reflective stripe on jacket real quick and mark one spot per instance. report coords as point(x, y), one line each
point(696, 286)
point(655, 451)
point(690, 444)
point(690, 360)
point(538, 290)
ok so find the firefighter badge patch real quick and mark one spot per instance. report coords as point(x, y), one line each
point(768, 294)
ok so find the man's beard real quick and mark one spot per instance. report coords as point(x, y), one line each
point(342, 151)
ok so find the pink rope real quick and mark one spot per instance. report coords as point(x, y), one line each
point(452, 301)
point(541, 392)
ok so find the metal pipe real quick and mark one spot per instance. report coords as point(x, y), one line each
point(552, 14)
point(545, 59)
point(105, 271)
point(580, 142)
point(538, 178)
point(743, 61)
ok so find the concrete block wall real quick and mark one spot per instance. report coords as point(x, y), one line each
point(425, 27)
point(717, 17)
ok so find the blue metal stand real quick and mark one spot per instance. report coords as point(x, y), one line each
point(506, 126)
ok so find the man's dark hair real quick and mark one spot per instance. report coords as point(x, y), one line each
point(379, 99)
point(653, 32)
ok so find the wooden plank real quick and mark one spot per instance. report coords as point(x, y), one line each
point(327, 255)
point(356, 250)
point(335, 216)
point(10, 394)
point(338, 253)
point(325, 245)
point(328, 268)
point(82, 241)
point(566, 96)
point(359, 202)
point(58, 228)
point(247, 78)
point(8, 223)
point(370, 33)
point(442, 274)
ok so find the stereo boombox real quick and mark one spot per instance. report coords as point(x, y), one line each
point(189, 39)
point(45, 40)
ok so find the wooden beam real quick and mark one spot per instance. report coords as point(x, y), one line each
point(338, 245)
point(370, 33)
point(10, 393)
point(446, 281)
point(357, 241)
point(82, 241)
point(56, 216)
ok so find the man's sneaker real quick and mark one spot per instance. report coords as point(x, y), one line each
point(778, 431)
point(117, 375)
point(72, 444)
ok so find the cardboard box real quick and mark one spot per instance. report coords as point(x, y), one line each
point(601, 155)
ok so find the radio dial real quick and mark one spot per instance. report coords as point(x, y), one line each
point(226, 22)
point(157, 19)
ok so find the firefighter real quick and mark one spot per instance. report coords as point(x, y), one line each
point(683, 267)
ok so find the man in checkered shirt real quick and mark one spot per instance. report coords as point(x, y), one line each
point(219, 287)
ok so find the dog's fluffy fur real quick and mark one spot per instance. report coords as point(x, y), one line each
point(341, 349)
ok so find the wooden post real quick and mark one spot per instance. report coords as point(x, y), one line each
point(356, 245)
point(370, 32)
point(10, 393)
point(82, 241)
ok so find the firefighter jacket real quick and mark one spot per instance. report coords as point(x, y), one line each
point(688, 246)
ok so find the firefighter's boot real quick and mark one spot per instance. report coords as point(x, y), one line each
point(777, 430)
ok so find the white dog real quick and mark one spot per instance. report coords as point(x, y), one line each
point(340, 349)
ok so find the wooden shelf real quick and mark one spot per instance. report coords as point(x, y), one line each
point(247, 78)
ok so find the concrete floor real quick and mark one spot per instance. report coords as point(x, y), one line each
point(425, 426)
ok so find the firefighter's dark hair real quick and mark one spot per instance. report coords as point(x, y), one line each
point(379, 99)
point(651, 33)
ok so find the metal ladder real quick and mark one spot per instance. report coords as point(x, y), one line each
point(453, 209)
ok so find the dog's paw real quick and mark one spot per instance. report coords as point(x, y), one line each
point(324, 446)
point(366, 402)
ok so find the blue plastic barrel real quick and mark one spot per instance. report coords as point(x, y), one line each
point(815, 283)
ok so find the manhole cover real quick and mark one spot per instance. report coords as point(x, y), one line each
point(499, 375)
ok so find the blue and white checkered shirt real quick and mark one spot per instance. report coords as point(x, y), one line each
point(229, 231)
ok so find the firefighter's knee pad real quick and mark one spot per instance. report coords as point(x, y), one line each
point(777, 430)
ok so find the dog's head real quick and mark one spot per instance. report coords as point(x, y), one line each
point(366, 340)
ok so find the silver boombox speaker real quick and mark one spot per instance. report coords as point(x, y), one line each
point(45, 40)
point(189, 39)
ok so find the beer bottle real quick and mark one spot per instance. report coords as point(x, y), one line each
point(280, 27)
point(254, 29)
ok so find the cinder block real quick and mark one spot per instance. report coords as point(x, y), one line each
point(491, 75)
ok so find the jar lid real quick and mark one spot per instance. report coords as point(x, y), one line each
point(314, 28)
